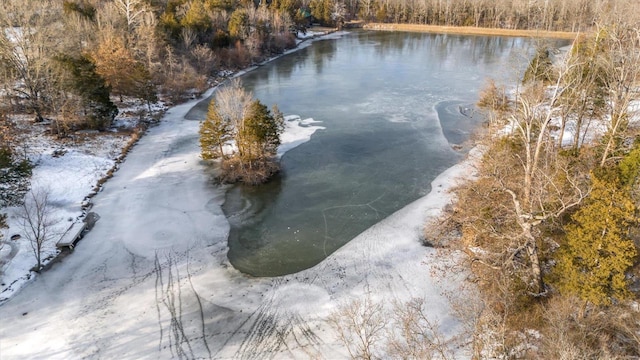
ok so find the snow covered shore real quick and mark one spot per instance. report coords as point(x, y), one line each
point(152, 279)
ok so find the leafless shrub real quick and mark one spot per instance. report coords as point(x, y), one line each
point(575, 330)
point(236, 57)
point(205, 60)
point(360, 325)
point(441, 232)
point(418, 336)
point(184, 80)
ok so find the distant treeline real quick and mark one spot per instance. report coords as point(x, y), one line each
point(558, 15)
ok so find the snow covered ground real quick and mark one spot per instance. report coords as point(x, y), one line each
point(152, 280)
point(67, 173)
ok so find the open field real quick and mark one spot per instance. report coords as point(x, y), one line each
point(468, 30)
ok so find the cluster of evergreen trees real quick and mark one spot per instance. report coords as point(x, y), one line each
point(247, 129)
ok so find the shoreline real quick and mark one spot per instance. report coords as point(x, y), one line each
point(470, 30)
point(15, 284)
point(163, 234)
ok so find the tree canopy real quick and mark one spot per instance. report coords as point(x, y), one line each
point(250, 131)
point(593, 263)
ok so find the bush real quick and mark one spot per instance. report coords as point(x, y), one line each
point(257, 172)
point(184, 82)
point(282, 42)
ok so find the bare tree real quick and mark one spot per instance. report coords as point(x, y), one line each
point(572, 330)
point(540, 196)
point(37, 221)
point(132, 10)
point(205, 59)
point(419, 336)
point(622, 73)
point(233, 103)
point(339, 13)
point(585, 97)
point(28, 39)
point(360, 325)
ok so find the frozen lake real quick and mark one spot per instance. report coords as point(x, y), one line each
point(153, 280)
point(379, 96)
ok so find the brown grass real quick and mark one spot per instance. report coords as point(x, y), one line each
point(469, 30)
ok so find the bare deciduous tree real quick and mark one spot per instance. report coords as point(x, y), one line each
point(548, 188)
point(132, 10)
point(360, 325)
point(420, 337)
point(37, 221)
point(572, 330)
point(28, 40)
point(622, 73)
point(233, 103)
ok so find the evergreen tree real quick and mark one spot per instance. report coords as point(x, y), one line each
point(540, 68)
point(239, 24)
point(260, 135)
point(196, 17)
point(235, 116)
point(321, 10)
point(598, 249)
point(79, 77)
point(215, 131)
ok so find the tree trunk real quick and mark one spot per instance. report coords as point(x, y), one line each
point(616, 121)
point(536, 272)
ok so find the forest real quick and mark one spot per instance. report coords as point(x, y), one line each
point(550, 223)
point(67, 61)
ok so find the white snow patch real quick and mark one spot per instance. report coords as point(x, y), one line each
point(297, 131)
point(68, 172)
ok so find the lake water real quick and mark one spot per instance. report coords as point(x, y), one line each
point(393, 105)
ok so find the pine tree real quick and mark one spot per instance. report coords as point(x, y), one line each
point(215, 131)
point(260, 134)
point(630, 167)
point(81, 79)
point(234, 116)
point(598, 249)
point(196, 17)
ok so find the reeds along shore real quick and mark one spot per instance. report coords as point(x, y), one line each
point(469, 30)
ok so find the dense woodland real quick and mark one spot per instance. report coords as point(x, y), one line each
point(549, 225)
point(68, 61)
